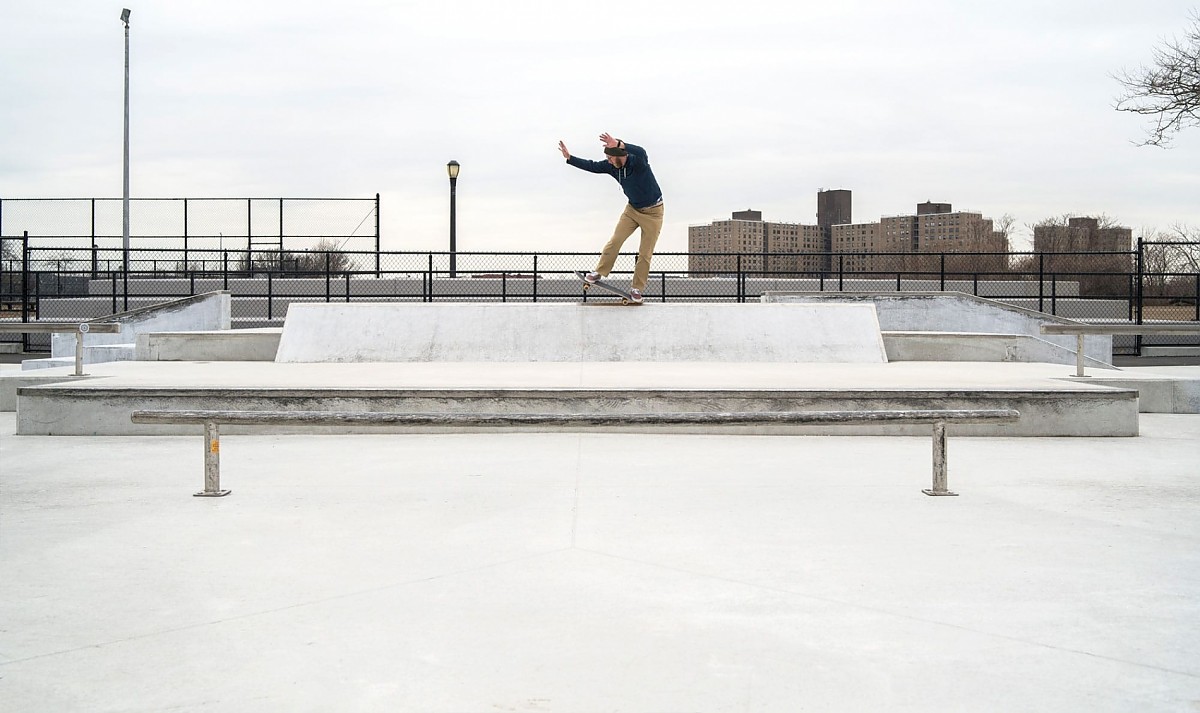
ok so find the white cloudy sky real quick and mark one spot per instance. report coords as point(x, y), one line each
point(1001, 107)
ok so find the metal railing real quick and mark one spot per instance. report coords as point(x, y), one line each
point(212, 419)
point(47, 282)
point(1081, 330)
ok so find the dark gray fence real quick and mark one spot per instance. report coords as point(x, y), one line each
point(1154, 282)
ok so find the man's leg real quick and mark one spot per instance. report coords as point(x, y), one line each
point(650, 221)
point(626, 224)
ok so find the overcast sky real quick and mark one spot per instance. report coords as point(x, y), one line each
point(995, 107)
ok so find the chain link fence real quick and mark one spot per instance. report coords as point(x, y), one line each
point(1155, 282)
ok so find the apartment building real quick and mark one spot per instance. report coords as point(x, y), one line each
point(749, 243)
point(1104, 258)
point(837, 243)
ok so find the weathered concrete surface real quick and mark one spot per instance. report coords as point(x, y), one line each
point(954, 312)
point(1049, 406)
point(1160, 389)
point(581, 572)
point(222, 345)
point(597, 332)
point(968, 346)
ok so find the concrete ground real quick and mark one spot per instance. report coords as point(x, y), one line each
point(601, 572)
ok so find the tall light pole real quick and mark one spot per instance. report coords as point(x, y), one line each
point(452, 170)
point(125, 194)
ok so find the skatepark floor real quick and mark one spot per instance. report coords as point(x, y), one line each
point(601, 572)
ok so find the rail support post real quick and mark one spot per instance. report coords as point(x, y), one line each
point(939, 462)
point(212, 463)
point(83, 329)
point(1079, 357)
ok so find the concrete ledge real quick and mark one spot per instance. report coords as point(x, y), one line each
point(221, 345)
point(11, 381)
point(970, 346)
point(67, 410)
point(1156, 394)
point(953, 312)
point(596, 332)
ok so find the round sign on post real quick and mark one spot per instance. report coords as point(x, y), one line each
point(83, 327)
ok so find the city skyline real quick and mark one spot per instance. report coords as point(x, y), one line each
point(1003, 109)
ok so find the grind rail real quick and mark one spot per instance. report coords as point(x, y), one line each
point(211, 420)
point(79, 328)
point(1079, 330)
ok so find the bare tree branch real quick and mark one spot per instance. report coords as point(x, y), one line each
point(1169, 90)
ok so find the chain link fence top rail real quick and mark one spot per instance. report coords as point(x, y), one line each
point(294, 224)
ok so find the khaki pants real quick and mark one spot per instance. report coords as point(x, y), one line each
point(650, 221)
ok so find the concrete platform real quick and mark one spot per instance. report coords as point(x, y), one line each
point(581, 572)
point(1049, 405)
point(599, 331)
point(211, 345)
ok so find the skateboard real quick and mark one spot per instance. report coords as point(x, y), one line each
point(626, 299)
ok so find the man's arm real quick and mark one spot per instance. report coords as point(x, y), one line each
point(586, 165)
point(592, 166)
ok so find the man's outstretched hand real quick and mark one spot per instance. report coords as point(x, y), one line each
point(609, 141)
point(563, 147)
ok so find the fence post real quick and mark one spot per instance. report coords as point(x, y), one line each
point(225, 269)
point(429, 279)
point(841, 276)
point(535, 277)
point(95, 266)
point(125, 283)
point(942, 270)
point(1132, 292)
point(740, 287)
point(1041, 282)
point(25, 276)
point(327, 278)
point(270, 297)
point(25, 288)
point(378, 269)
point(186, 268)
point(1141, 296)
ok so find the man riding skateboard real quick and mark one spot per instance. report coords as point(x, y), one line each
point(629, 165)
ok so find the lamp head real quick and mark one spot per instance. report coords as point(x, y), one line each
point(125, 16)
point(452, 169)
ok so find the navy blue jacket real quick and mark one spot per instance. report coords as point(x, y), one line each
point(635, 177)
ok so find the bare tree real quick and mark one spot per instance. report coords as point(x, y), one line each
point(326, 254)
point(1169, 90)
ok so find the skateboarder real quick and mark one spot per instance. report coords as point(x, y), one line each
point(630, 166)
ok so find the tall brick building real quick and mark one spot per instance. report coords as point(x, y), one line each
point(837, 243)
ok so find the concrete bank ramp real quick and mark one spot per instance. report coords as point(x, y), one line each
point(596, 332)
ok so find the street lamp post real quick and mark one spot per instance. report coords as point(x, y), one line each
point(125, 194)
point(452, 170)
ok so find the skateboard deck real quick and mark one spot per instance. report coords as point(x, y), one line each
point(626, 299)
